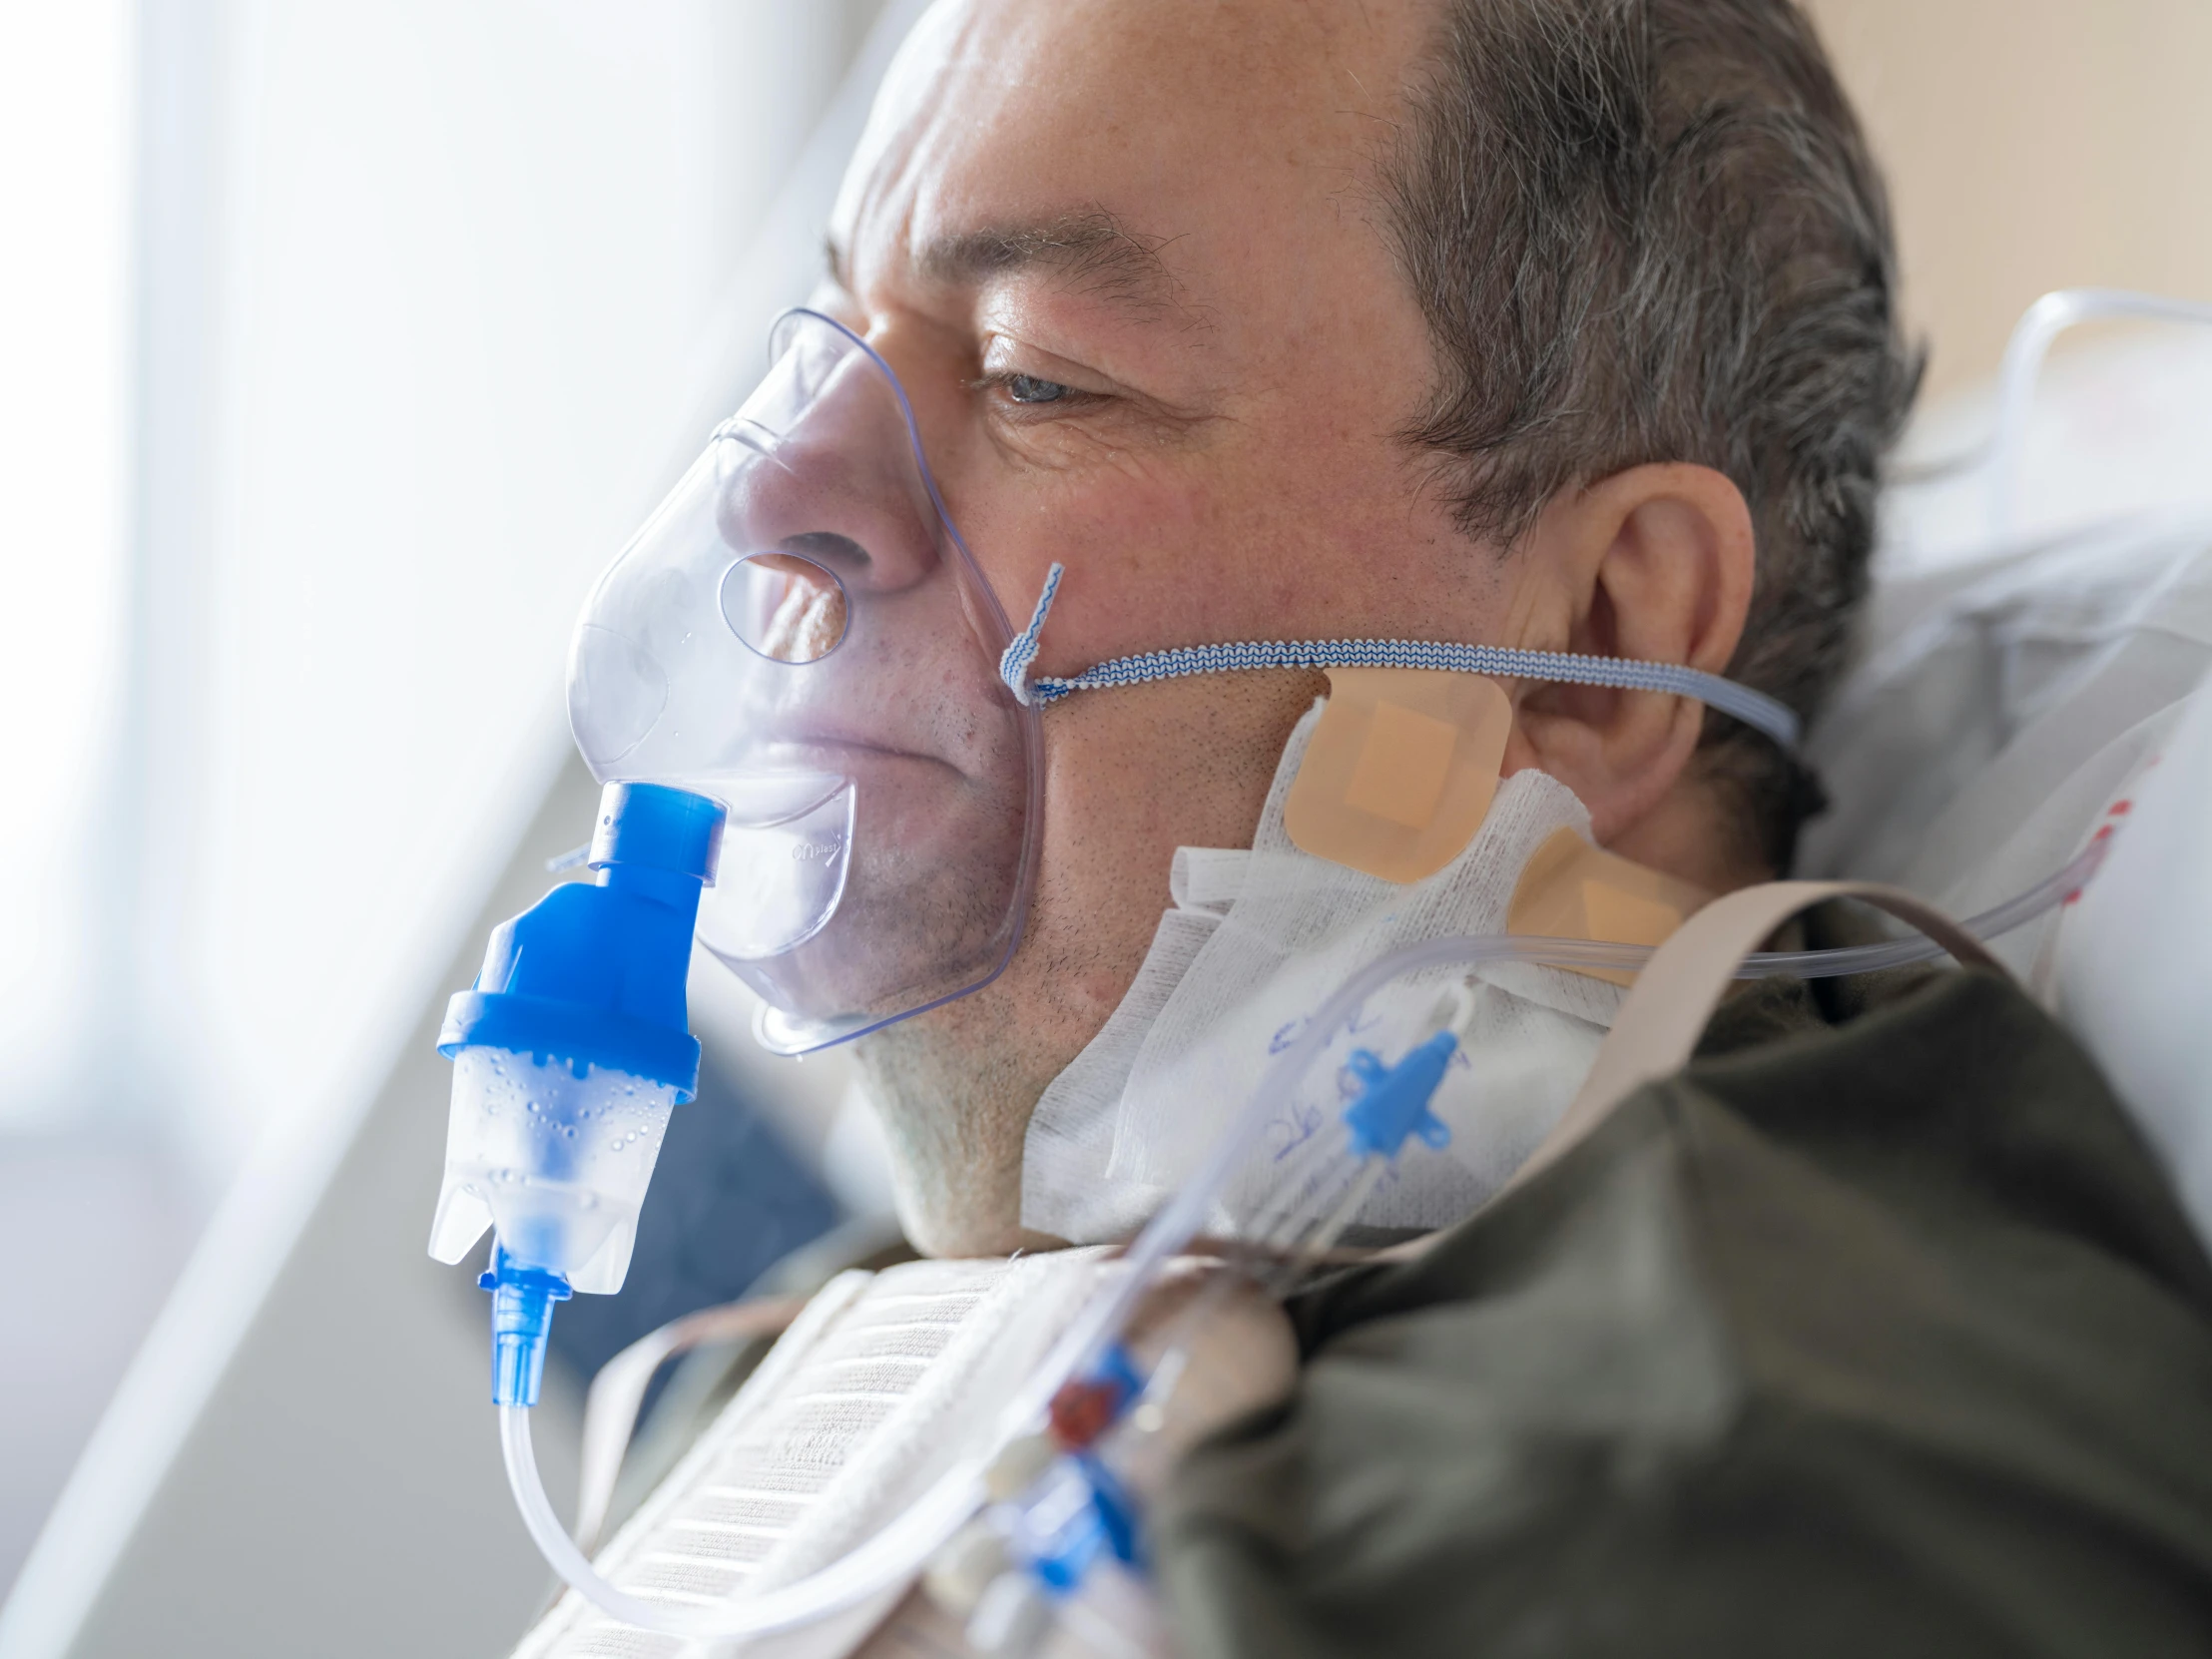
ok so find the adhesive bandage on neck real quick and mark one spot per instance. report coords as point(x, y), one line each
point(1571, 889)
point(1400, 770)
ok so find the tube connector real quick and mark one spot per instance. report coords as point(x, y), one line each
point(521, 1318)
point(1086, 1407)
point(1393, 1100)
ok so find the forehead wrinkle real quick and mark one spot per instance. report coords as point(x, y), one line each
point(1099, 254)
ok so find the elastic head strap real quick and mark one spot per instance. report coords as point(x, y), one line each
point(1754, 709)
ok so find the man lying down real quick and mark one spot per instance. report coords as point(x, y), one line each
point(1558, 327)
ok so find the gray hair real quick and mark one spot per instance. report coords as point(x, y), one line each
point(1651, 230)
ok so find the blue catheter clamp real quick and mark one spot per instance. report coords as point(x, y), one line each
point(587, 983)
point(1394, 1103)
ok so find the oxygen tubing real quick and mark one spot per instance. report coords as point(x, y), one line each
point(898, 1551)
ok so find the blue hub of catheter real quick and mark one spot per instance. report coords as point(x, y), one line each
point(1393, 1100)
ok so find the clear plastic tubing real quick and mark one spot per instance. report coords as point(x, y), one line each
point(899, 1550)
point(1179, 1222)
point(888, 1558)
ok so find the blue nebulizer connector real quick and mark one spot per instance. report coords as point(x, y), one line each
point(569, 1053)
point(522, 1302)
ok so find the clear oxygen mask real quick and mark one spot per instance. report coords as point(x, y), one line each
point(799, 634)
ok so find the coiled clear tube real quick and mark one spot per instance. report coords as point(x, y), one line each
point(898, 1551)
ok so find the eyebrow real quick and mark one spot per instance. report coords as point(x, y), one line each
point(1092, 249)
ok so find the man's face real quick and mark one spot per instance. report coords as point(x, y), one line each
point(1128, 258)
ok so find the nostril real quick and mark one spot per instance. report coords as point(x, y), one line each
point(827, 546)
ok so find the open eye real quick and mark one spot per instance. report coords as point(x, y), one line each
point(1028, 388)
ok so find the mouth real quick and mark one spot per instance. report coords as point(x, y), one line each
point(846, 751)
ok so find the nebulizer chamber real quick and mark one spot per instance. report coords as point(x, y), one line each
point(569, 1053)
point(555, 1127)
point(555, 1162)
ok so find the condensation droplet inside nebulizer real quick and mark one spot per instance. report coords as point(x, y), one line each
point(559, 1163)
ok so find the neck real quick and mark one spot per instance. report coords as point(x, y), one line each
point(955, 1114)
point(1692, 835)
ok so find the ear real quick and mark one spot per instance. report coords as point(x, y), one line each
point(1654, 563)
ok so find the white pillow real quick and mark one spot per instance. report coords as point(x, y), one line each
point(2002, 708)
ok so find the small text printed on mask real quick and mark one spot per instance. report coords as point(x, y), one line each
point(810, 853)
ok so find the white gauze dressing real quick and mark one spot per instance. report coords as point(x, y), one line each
point(1254, 944)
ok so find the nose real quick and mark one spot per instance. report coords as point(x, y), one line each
point(820, 462)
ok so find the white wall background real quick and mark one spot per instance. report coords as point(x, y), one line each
point(341, 346)
point(65, 136)
point(2031, 145)
point(76, 1296)
point(460, 261)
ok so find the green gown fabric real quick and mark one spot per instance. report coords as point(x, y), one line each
point(1884, 1336)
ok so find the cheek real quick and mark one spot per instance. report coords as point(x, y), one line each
point(1141, 546)
point(1312, 532)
